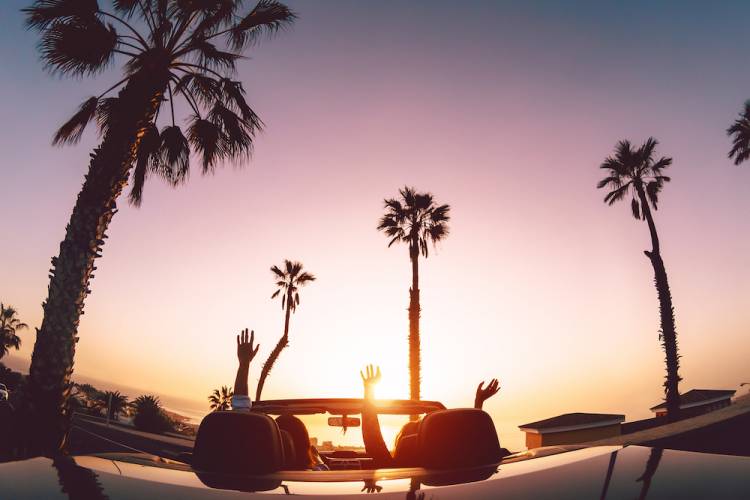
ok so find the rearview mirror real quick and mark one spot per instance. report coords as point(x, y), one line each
point(343, 421)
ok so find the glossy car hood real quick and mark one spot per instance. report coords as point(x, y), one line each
point(601, 472)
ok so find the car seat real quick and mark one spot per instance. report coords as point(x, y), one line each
point(456, 438)
point(239, 443)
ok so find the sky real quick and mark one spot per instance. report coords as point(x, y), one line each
point(504, 110)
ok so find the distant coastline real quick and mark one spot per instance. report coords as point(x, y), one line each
point(191, 410)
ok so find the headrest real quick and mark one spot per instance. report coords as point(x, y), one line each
point(407, 453)
point(461, 437)
point(289, 451)
point(238, 442)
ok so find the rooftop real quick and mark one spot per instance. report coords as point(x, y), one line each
point(697, 397)
point(572, 421)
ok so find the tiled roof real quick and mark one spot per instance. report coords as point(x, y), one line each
point(696, 396)
point(577, 420)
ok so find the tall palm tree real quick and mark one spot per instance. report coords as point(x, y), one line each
point(636, 173)
point(166, 49)
point(740, 134)
point(9, 326)
point(414, 219)
point(221, 399)
point(289, 279)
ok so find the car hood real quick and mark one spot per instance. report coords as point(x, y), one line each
point(600, 472)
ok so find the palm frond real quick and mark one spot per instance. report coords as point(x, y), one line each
point(635, 207)
point(278, 272)
point(267, 18)
point(740, 134)
point(147, 152)
point(78, 48)
point(208, 140)
point(72, 130)
point(43, 13)
point(174, 155)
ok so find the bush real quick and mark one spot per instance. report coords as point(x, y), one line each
point(149, 416)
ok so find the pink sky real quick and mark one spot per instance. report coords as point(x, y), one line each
point(505, 115)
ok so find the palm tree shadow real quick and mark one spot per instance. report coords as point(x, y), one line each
point(651, 465)
point(78, 482)
point(608, 477)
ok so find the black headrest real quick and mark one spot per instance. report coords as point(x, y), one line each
point(238, 442)
point(461, 437)
point(290, 453)
point(407, 451)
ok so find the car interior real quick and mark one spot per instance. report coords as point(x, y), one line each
point(251, 443)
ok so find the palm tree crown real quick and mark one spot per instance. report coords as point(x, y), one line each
point(9, 326)
point(289, 280)
point(415, 219)
point(632, 171)
point(193, 44)
point(221, 399)
point(740, 134)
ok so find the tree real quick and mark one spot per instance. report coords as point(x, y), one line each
point(117, 404)
point(289, 279)
point(9, 326)
point(740, 134)
point(149, 416)
point(416, 220)
point(221, 399)
point(636, 174)
point(166, 49)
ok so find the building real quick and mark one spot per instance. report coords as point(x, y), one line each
point(698, 401)
point(571, 428)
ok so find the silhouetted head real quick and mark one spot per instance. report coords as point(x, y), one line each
point(301, 439)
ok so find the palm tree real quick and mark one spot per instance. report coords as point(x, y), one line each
point(221, 399)
point(149, 415)
point(414, 219)
point(636, 173)
point(116, 402)
point(740, 134)
point(288, 280)
point(9, 326)
point(166, 49)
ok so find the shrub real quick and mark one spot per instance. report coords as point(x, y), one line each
point(149, 415)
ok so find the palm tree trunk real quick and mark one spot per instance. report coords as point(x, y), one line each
point(282, 343)
point(668, 334)
point(414, 312)
point(72, 270)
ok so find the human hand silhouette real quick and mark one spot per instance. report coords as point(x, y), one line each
point(370, 378)
point(371, 486)
point(483, 394)
point(245, 350)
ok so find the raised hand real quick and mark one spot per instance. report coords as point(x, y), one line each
point(483, 394)
point(245, 350)
point(370, 377)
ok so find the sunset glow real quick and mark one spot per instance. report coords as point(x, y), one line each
point(538, 284)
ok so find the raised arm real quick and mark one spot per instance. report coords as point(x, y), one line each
point(483, 394)
point(371, 435)
point(245, 354)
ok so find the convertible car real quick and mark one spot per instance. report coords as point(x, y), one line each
point(240, 455)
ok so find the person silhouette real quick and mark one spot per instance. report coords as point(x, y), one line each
point(375, 446)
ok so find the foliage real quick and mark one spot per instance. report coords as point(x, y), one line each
point(740, 134)
point(415, 219)
point(117, 404)
point(10, 325)
point(196, 43)
point(12, 379)
point(221, 399)
point(149, 415)
point(289, 279)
